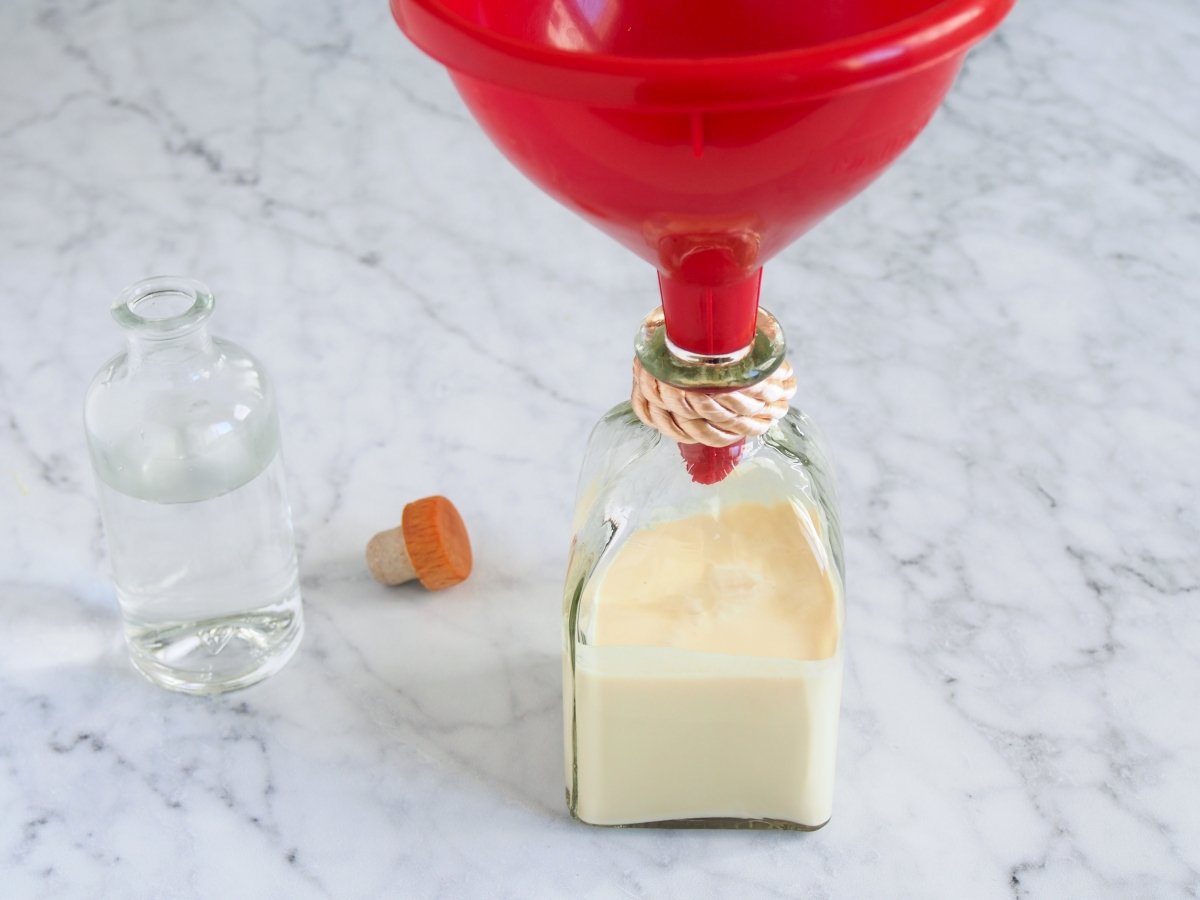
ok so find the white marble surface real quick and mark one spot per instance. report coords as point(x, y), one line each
point(1001, 339)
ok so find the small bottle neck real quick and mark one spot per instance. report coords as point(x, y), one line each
point(151, 350)
point(165, 320)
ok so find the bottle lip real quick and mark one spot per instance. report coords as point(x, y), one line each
point(724, 372)
point(163, 306)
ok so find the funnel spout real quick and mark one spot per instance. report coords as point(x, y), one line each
point(710, 320)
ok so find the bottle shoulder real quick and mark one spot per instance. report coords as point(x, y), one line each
point(620, 440)
point(172, 427)
point(633, 476)
point(227, 372)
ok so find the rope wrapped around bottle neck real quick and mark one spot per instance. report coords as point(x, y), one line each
point(715, 419)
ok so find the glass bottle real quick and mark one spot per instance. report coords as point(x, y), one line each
point(184, 441)
point(702, 658)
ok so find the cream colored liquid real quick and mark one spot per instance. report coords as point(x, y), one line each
point(712, 683)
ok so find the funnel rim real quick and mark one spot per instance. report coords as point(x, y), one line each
point(734, 81)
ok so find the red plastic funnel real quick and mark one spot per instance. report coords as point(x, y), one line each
point(705, 135)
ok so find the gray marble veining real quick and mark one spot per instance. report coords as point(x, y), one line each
point(1000, 338)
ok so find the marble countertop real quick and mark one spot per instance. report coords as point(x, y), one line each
point(1000, 339)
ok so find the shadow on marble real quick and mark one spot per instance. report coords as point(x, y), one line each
point(446, 682)
point(501, 725)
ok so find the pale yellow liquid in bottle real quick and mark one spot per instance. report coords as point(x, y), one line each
point(711, 686)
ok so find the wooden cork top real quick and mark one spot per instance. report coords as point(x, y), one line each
point(430, 544)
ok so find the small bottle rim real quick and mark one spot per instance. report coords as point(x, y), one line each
point(185, 304)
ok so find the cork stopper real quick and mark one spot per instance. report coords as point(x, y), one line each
point(430, 544)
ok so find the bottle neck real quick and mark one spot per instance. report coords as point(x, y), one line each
point(688, 370)
point(153, 350)
point(165, 320)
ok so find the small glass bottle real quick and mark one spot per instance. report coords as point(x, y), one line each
point(184, 441)
point(703, 621)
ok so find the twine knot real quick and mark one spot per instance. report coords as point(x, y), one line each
point(715, 419)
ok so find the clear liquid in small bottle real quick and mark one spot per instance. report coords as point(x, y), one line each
point(209, 587)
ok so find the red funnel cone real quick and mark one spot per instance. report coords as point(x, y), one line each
point(705, 135)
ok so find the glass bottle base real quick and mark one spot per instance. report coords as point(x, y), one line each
point(717, 822)
point(217, 655)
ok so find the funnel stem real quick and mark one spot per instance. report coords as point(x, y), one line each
point(706, 321)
